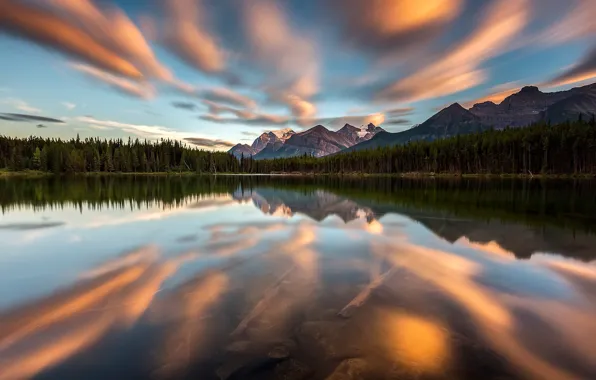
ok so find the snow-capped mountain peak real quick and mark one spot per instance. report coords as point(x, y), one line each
point(283, 133)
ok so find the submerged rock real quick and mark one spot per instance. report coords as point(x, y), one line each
point(279, 352)
point(292, 370)
point(350, 369)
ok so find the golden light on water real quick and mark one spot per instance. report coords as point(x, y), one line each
point(418, 343)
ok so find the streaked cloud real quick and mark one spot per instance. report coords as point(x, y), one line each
point(397, 122)
point(45, 28)
point(185, 105)
point(289, 59)
point(460, 67)
point(402, 111)
point(143, 90)
point(150, 132)
point(578, 22)
point(209, 143)
point(385, 25)
point(184, 33)
point(584, 70)
point(256, 120)
point(20, 105)
point(26, 118)
point(227, 97)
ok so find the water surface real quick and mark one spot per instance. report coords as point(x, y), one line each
point(297, 278)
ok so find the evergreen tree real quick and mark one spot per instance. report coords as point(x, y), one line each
point(36, 159)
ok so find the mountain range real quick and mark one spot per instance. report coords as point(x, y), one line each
point(521, 109)
point(317, 141)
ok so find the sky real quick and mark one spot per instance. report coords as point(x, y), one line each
point(214, 73)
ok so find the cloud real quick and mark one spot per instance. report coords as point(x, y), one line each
point(219, 109)
point(100, 127)
point(41, 126)
point(300, 108)
point(390, 25)
point(227, 96)
point(112, 28)
point(208, 143)
point(185, 105)
point(184, 34)
point(254, 119)
point(26, 118)
point(403, 111)
point(289, 59)
point(250, 134)
point(47, 29)
point(496, 94)
point(69, 106)
point(143, 90)
point(397, 122)
point(584, 70)
point(152, 132)
point(19, 104)
point(578, 22)
point(459, 69)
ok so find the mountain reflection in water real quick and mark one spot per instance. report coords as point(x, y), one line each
point(248, 278)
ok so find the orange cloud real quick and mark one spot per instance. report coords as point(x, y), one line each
point(460, 69)
point(114, 29)
point(289, 58)
point(390, 24)
point(184, 35)
point(47, 29)
point(300, 108)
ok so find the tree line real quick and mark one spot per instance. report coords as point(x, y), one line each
point(568, 148)
point(109, 156)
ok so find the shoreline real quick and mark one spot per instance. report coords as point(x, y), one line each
point(421, 175)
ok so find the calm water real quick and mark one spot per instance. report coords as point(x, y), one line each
point(296, 278)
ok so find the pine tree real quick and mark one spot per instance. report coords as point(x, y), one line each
point(36, 160)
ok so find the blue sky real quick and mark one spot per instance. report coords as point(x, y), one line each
point(226, 70)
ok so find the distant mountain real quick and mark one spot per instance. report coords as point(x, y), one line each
point(261, 142)
point(318, 141)
point(351, 133)
point(571, 108)
point(271, 137)
point(530, 105)
point(451, 121)
point(357, 135)
point(240, 150)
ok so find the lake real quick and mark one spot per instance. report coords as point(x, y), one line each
point(297, 278)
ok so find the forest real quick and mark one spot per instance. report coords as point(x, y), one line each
point(563, 149)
